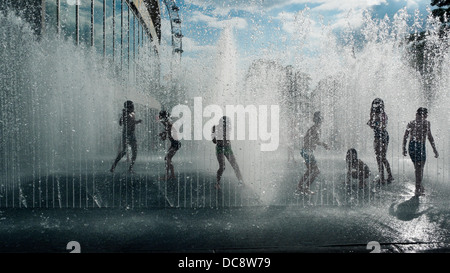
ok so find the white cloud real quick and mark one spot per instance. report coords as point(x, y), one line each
point(333, 5)
point(198, 16)
point(338, 13)
point(351, 19)
point(235, 22)
point(190, 45)
point(223, 7)
point(413, 4)
point(295, 22)
point(286, 21)
point(213, 22)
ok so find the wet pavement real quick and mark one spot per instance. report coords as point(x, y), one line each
point(246, 229)
point(140, 213)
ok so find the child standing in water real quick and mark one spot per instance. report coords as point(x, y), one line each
point(128, 121)
point(378, 122)
point(418, 130)
point(220, 136)
point(175, 144)
point(356, 168)
point(310, 142)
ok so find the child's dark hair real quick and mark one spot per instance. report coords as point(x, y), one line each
point(317, 117)
point(377, 106)
point(163, 114)
point(351, 156)
point(422, 111)
point(128, 105)
point(224, 120)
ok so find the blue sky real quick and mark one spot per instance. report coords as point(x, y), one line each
point(272, 24)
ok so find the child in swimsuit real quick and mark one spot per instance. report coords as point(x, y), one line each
point(356, 168)
point(418, 131)
point(175, 144)
point(220, 136)
point(128, 121)
point(310, 142)
point(378, 122)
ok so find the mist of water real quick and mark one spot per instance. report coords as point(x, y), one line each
point(345, 74)
point(60, 106)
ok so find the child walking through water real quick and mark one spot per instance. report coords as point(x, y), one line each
point(170, 133)
point(310, 142)
point(221, 137)
point(378, 122)
point(128, 121)
point(418, 130)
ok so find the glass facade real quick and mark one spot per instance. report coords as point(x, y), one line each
point(126, 33)
point(67, 68)
point(117, 31)
point(113, 28)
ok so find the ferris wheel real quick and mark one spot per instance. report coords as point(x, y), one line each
point(175, 25)
point(150, 13)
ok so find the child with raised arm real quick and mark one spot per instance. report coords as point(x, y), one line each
point(418, 131)
point(310, 142)
point(378, 122)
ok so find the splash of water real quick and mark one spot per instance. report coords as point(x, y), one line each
point(60, 106)
point(342, 78)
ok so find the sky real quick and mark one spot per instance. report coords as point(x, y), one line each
point(273, 25)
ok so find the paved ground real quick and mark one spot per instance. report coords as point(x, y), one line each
point(140, 213)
